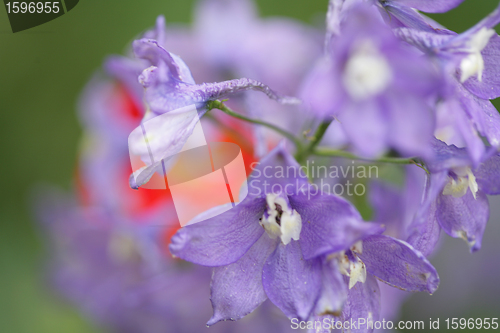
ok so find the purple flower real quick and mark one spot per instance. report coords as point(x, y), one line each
point(169, 86)
point(455, 198)
point(290, 244)
point(402, 13)
point(379, 90)
point(105, 267)
point(470, 61)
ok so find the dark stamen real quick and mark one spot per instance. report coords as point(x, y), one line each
point(279, 209)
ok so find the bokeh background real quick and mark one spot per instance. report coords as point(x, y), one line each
point(42, 71)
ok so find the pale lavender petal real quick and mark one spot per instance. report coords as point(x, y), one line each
point(363, 301)
point(488, 175)
point(329, 223)
point(318, 87)
point(431, 6)
point(171, 131)
point(333, 19)
point(424, 230)
point(398, 264)
point(454, 126)
point(411, 127)
point(446, 157)
point(292, 283)
point(223, 239)
point(237, 288)
point(369, 136)
point(150, 50)
point(464, 217)
point(489, 86)
point(333, 292)
point(213, 91)
point(277, 168)
point(423, 40)
point(484, 115)
point(397, 15)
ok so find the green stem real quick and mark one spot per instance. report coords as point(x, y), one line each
point(302, 155)
point(311, 149)
point(345, 154)
point(220, 105)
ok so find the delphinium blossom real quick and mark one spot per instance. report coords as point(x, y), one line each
point(292, 245)
point(390, 83)
point(456, 199)
point(109, 257)
point(365, 83)
point(470, 61)
point(169, 86)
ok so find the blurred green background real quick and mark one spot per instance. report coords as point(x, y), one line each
point(42, 71)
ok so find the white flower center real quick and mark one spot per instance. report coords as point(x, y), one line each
point(367, 72)
point(457, 187)
point(473, 63)
point(280, 220)
point(354, 269)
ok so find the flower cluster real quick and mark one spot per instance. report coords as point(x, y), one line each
point(386, 87)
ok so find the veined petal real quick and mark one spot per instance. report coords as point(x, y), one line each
point(277, 168)
point(329, 223)
point(488, 175)
point(292, 283)
point(333, 292)
point(489, 86)
point(398, 15)
point(425, 41)
point(464, 217)
point(150, 50)
point(424, 230)
point(223, 239)
point(431, 6)
point(363, 301)
point(398, 264)
point(237, 288)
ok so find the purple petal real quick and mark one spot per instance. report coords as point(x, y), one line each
point(484, 115)
point(424, 230)
point(369, 137)
point(446, 157)
point(488, 176)
point(223, 239)
point(333, 292)
point(423, 40)
point(411, 127)
point(213, 91)
point(150, 50)
point(292, 283)
point(431, 6)
point(464, 217)
point(333, 19)
point(317, 89)
point(489, 87)
point(397, 16)
point(329, 223)
point(237, 288)
point(363, 301)
point(277, 168)
point(398, 264)
point(170, 131)
point(455, 127)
